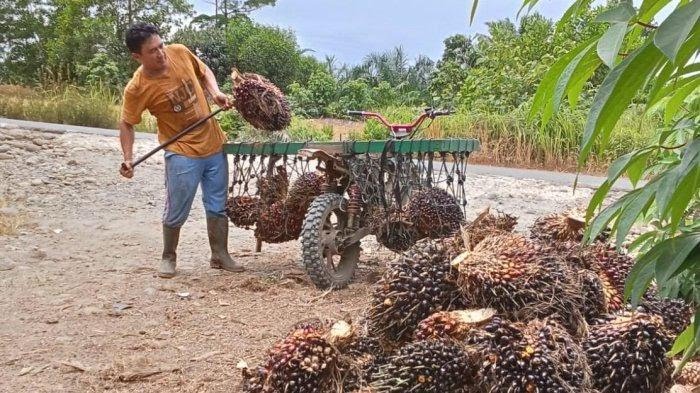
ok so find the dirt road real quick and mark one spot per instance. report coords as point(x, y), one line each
point(82, 310)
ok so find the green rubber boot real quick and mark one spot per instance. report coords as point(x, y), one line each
point(217, 229)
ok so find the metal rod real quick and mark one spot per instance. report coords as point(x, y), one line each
point(174, 138)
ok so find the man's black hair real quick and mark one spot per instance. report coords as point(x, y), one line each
point(137, 34)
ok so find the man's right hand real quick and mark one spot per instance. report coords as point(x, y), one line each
point(126, 170)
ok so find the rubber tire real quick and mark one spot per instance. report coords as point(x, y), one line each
point(312, 259)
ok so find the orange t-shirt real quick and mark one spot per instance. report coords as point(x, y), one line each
point(177, 100)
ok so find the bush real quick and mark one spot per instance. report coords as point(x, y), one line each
point(512, 60)
point(384, 95)
point(232, 124)
point(305, 130)
point(314, 99)
point(102, 71)
point(270, 52)
point(355, 94)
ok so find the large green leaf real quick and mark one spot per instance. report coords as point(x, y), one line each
point(641, 275)
point(622, 163)
point(650, 8)
point(585, 69)
point(687, 186)
point(575, 9)
point(610, 43)
point(667, 186)
point(675, 102)
point(673, 32)
point(692, 349)
point(622, 13)
point(672, 253)
point(683, 341)
point(543, 101)
point(616, 93)
point(597, 199)
point(636, 169)
point(475, 4)
point(601, 221)
point(573, 69)
point(670, 180)
point(673, 71)
point(631, 212)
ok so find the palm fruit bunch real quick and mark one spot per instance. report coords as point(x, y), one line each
point(313, 324)
point(304, 361)
point(452, 324)
point(613, 268)
point(305, 188)
point(260, 102)
point(361, 361)
point(539, 356)
point(415, 285)
point(562, 228)
point(595, 301)
point(434, 213)
point(515, 277)
point(689, 375)
point(675, 313)
point(273, 186)
point(558, 227)
point(487, 224)
point(436, 365)
point(278, 223)
point(392, 230)
point(284, 216)
point(627, 353)
point(397, 236)
point(243, 210)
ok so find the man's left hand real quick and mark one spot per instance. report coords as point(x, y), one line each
point(223, 101)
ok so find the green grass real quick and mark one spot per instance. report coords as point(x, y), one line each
point(92, 107)
point(506, 139)
point(511, 140)
point(299, 130)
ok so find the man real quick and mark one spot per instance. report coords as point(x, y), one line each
point(167, 84)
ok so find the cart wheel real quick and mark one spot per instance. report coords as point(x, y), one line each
point(327, 265)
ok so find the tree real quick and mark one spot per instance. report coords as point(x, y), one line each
point(61, 35)
point(231, 8)
point(512, 58)
point(459, 56)
point(250, 47)
point(25, 27)
point(660, 61)
point(271, 52)
point(395, 68)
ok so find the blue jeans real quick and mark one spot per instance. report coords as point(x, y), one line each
point(183, 175)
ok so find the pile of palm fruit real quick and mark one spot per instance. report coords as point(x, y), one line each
point(488, 310)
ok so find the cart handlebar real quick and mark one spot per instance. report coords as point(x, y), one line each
point(400, 131)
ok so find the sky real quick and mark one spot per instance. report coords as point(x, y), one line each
point(351, 29)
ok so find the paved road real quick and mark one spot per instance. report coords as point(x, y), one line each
point(552, 177)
